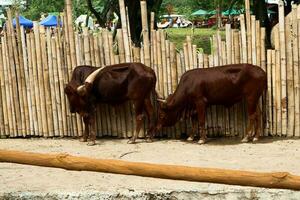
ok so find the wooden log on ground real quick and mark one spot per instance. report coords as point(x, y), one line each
point(280, 180)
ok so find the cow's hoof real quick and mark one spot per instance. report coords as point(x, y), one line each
point(201, 141)
point(190, 139)
point(131, 142)
point(91, 143)
point(149, 140)
point(245, 140)
point(82, 140)
point(255, 139)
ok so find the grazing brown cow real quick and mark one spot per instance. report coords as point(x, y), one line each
point(224, 85)
point(113, 85)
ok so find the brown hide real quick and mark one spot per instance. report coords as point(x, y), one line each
point(113, 85)
point(224, 85)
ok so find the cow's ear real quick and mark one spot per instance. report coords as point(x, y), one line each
point(69, 90)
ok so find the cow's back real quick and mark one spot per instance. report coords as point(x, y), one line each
point(224, 85)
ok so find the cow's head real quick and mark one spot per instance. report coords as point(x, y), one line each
point(77, 100)
point(166, 116)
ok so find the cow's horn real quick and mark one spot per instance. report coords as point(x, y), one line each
point(162, 100)
point(81, 90)
point(92, 76)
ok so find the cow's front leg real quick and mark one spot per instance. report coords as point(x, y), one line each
point(194, 129)
point(86, 129)
point(92, 136)
point(139, 120)
point(150, 116)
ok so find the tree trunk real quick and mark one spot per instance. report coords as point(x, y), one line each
point(260, 11)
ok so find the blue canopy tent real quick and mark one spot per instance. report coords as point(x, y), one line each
point(51, 20)
point(23, 22)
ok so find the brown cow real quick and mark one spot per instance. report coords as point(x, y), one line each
point(113, 85)
point(224, 85)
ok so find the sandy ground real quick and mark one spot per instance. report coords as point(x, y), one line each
point(265, 156)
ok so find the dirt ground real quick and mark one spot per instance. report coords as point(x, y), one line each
point(268, 155)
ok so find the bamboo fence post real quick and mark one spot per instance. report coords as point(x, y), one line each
point(296, 40)
point(159, 64)
point(283, 67)
point(190, 52)
point(87, 56)
point(22, 84)
point(78, 48)
point(92, 50)
point(164, 64)
point(70, 32)
point(228, 44)
point(129, 35)
point(290, 79)
point(13, 61)
point(269, 92)
point(2, 96)
point(278, 86)
point(186, 57)
point(4, 88)
point(244, 38)
point(248, 24)
point(274, 111)
point(125, 30)
point(145, 32)
point(253, 42)
point(42, 101)
point(110, 45)
point(8, 89)
point(121, 46)
point(62, 79)
point(51, 66)
point(168, 74)
point(45, 72)
point(35, 83)
point(258, 43)
point(26, 63)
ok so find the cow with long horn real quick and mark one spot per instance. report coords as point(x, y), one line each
point(224, 85)
point(112, 85)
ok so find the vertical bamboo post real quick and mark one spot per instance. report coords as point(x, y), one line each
point(248, 24)
point(45, 72)
point(290, 79)
point(283, 68)
point(145, 32)
point(253, 42)
point(71, 32)
point(296, 40)
point(164, 64)
point(190, 52)
point(274, 110)
point(87, 56)
point(244, 39)
point(277, 86)
point(125, 30)
point(269, 91)
point(228, 44)
point(258, 43)
point(3, 112)
point(51, 64)
point(22, 84)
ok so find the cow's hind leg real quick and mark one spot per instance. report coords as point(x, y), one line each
point(200, 106)
point(139, 120)
point(252, 115)
point(194, 128)
point(257, 124)
point(150, 115)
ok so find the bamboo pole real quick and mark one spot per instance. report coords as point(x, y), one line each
point(283, 180)
point(87, 56)
point(58, 114)
point(125, 30)
point(2, 96)
point(248, 24)
point(228, 44)
point(258, 43)
point(190, 52)
point(290, 79)
point(278, 86)
point(253, 42)
point(70, 32)
point(22, 84)
point(244, 39)
point(159, 64)
point(274, 110)
point(45, 72)
point(121, 45)
point(296, 41)
point(283, 67)
point(269, 92)
point(164, 64)
point(13, 70)
point(145, 32)
point(4, 87)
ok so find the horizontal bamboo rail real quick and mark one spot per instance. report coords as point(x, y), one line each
point(280, 180)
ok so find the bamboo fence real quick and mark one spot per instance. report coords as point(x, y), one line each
point(36, 64)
